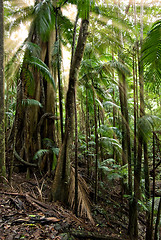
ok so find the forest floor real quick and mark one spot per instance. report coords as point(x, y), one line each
point(26, 213)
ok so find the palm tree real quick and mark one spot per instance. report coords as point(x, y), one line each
point(2, 107)
point(37, 94)
point(60, 186)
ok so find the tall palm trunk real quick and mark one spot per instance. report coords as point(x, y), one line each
point(60, 187)
point(2, 106)
point(59, 76)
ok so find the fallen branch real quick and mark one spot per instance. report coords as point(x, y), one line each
point(33, 220)
point(45, 208)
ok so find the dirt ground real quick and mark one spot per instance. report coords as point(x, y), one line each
point(26, 213)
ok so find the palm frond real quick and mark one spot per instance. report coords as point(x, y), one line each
point(40, 153)
point(120, 67)
point(66, 28)
point(152, 45)
point(19, 16)
point(44, 18)
point(146, 125)
point(48, 143)
point(31, 102)
point(55, 150)
point(110, 142)
point(110, 104)
point(83, 191)
point(42, 67)
point(84, 7)
point(16, 59)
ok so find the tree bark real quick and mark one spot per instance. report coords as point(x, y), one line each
point(2, 105)
point(96, 145)
point(60, 186)
point(156, 234)
point(24, 131)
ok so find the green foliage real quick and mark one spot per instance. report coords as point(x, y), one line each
point(42, 67)
point(31, 102)
point(49, 148)
point(112, 170)
point(44, 18)
point(146, 125)
point(48, 143)
point(152, 55)
point(15, 16)
point(40, 153)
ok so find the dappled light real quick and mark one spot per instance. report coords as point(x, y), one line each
point(80, 119)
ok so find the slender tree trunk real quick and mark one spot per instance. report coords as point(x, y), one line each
point(2, 105)
point(101, 149)
point(76, 157)
point(60, 187)
point(122, 103)
point(147, 193)
point(153, 198)
point(87, 136)
point(96, 145)
point(59, 76)
point(76, 124)
point(137, 170)
point(156, 234)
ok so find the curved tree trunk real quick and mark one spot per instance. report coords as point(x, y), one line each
point(60, 185)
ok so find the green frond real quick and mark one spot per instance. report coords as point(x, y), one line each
point(66, 30)
point(152, 45)
point(55, 150)
point(110, 104)
point(152, 78)
point(120, 67)
point(42, 67)
point(19, 16)
point(32, 48)
point(110, 142)
point(31, 102)
point(44, 18)
point(83, 8)
point(146, 125)
point(15, 58)
point(40, 153)
point(48, 143)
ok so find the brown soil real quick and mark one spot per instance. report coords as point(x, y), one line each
point(26, 213)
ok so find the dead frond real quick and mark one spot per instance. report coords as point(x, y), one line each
point(83, 200)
